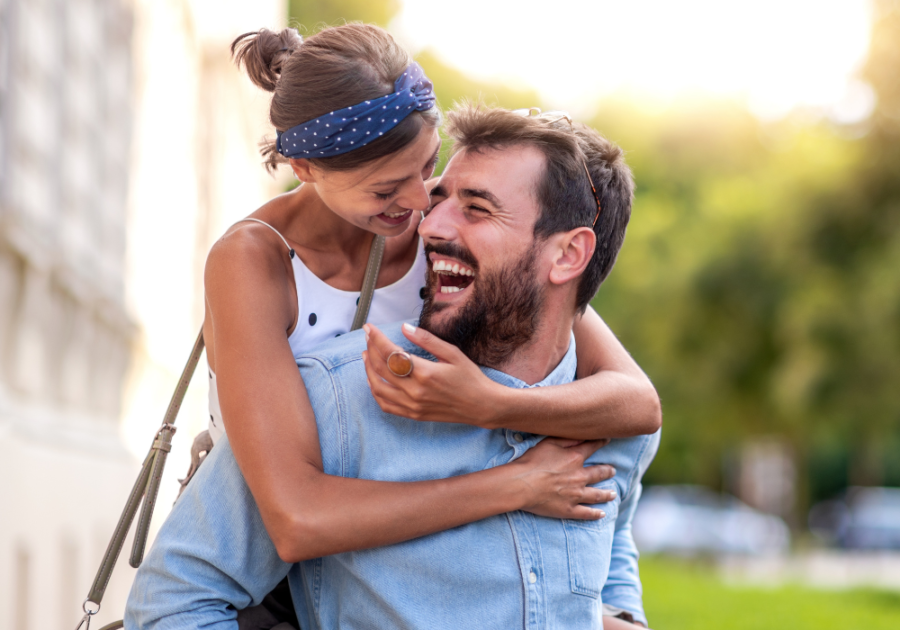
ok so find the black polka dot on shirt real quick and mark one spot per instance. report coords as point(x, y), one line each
point(312, 319)
point(423, 292)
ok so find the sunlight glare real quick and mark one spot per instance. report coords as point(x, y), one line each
point(773, 54)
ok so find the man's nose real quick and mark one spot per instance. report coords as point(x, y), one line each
point(439, 223)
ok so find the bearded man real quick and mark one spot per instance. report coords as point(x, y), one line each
point(515, 257)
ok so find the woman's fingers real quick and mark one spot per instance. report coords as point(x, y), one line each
point(589, 447)
point(598, 473)
point(451, 390)
point(592, 496)
point(563, 486)
point(381, 388)
point(443, 351)
point(585, 513)
point(380, 348)
point(377, 341)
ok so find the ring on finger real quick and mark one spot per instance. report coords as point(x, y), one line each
point(400, 363)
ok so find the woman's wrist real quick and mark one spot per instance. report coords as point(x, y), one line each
point(519, 493)
point(494, 405)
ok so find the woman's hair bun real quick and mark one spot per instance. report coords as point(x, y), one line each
point(263, 54)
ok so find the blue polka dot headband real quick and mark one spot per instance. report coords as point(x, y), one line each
point(347, 129)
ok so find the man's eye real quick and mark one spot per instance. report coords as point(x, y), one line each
point(478, 209)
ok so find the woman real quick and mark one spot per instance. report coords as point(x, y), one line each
point(289, 278)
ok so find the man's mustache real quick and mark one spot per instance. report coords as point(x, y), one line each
point(444, 248)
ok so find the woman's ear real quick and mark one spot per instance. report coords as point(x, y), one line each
point(573, 252)
point(303, 170)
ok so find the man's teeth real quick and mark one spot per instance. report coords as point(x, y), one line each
point(450, 289)
point(452, 268)
point(395, 215)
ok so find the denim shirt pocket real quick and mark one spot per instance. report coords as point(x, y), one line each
point(589, 545)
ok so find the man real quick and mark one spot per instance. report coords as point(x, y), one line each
point(515, 210)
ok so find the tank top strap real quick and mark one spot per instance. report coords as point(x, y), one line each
point(284, 240)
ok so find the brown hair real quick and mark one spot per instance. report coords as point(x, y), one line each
point(563, 192)
point(337, 67)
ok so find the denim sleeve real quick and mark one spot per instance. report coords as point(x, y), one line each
point(623, 585)
point(211, 557)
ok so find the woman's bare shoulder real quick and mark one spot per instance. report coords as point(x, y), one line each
point(249, 261)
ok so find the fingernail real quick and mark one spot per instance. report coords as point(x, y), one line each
point(613, 494)
point(409, 328)
point(602, 513)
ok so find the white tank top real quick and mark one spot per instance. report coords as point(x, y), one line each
point(325, 312)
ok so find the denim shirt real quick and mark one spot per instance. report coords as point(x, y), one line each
point(515, 570)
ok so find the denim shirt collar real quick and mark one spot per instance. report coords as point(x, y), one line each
point(564, 372)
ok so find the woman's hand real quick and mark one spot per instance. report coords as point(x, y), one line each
point(560, 484)
point(452, 390)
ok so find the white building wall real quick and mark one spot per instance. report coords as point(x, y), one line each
point(127, 145)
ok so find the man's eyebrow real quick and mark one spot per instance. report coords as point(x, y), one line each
point(481, 194)
point(439, 191)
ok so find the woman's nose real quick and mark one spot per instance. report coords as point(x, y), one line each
point(416, 197)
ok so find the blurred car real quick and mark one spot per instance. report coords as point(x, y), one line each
point(861, 518)
point(691, 520)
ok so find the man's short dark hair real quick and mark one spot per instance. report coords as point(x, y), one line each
point(563, 192)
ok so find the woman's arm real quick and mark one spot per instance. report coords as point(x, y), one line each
point(612, 397)
point(273, 433)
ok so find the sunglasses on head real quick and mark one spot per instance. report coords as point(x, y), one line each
point(556, 116)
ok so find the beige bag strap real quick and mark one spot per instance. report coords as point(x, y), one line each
point(368, 288)
point(146, 486)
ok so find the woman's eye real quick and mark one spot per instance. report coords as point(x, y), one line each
point(385, 196)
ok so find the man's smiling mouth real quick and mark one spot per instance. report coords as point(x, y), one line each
point(452, 276)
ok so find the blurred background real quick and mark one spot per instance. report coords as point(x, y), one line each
point(759, 285)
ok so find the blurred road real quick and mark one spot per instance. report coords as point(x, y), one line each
point(822, 568)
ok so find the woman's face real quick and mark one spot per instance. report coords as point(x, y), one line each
point(381, 197)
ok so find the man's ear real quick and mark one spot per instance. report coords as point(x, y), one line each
point(572, 252)
point(303, 170)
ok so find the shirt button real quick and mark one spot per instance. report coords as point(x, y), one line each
point(518, 437)
point(532, 577)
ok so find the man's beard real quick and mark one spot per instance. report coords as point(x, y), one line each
point(499, 317)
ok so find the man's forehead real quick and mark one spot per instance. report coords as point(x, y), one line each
point(507, 172)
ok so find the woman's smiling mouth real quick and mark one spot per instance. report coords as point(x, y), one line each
point(395, 218)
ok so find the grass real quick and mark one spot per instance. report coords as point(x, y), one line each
point(688, 595)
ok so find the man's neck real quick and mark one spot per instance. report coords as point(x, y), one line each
point(535, 360)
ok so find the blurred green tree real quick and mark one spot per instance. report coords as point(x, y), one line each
point(760, 282)
point(312, 14)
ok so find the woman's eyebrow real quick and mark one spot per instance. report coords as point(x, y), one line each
point(390, 182)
